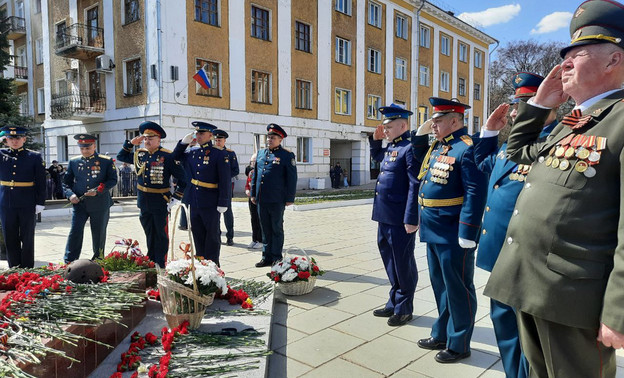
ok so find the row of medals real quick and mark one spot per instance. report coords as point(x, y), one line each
point(157, 174)
point(441, 169)
point(558, 158)
point(520, 172)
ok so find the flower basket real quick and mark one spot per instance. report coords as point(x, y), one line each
point(179, 301)
point(295, 275)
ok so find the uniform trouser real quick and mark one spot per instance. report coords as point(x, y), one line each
point(228, 219)
point(205, 225)
point(155, 226)
point(18, 229)
point(506, 330)
point(396, 247)
point(183, 221)
point(556, 350)
point(256, 230)
point(272, 225)
point(451, 270)
point(99, 222)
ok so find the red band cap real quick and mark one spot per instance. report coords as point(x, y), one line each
point(449, 109)
point(525, 91)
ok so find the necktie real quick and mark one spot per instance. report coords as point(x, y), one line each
point(575, 119)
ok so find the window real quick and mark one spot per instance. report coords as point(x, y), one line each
point(423, 114)
point(133, 77)
point(463, 52)
point(374, 61)
point(444, 81)
point(61, 86)
point(475, 124)
point(401, 26)
point(259, 140)
point(478, 59)
point(39, 51)
point(343, 51)
point(462, 86)
point(445, 45)
point(425, 36)
point(303, 97)
point(61, 37)
point(212, 70)
point(93, 34)
point(374, 102)
point(424, 76)
point(260, 87)
point(130, 11)
point(62, 153)
point(207, 11)
point(344, 6)
point(302, 36)
point(23, 104)
point(374, 14)
point(37, 6)
point(477, 91)
point(303, 150)
point(401, 69)
point(343, 101)
point(260, 23)
point(40, 101)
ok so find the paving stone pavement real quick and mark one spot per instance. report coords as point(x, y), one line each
point(330, 332)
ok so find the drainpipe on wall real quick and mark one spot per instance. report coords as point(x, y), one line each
point(160, 77)
point(489, 67)
point(416, 66)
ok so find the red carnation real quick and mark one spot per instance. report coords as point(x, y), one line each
point(100, 188)
point(304, 275)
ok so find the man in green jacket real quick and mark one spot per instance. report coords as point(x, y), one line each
point(562, 264)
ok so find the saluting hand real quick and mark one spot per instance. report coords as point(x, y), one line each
point(410, 228)
point(498, 119)
point(137, 140)
point(379, 133)
point(550, 93)
point(610, 337)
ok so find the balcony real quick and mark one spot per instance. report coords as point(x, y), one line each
point(80, 41)
point(78, 105)
point(16, 27)
point(20, 74)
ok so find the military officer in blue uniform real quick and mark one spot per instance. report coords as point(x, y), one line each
point(81, 186)
point(506, 180)
point(228, 217)
point(395, 208)
point(209, 193)
point(155, 166)
point(452, 197)
point(22, 195)
point(273, 187)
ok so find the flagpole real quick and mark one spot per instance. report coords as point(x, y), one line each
point(160, 77)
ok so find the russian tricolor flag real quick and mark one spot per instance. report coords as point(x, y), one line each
point(202, 78)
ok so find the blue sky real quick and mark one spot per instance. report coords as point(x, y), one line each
point(512, 20)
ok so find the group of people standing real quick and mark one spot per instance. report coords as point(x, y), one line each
point(542, 212)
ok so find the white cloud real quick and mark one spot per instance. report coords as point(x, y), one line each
point(491, 16)
point(552, 22)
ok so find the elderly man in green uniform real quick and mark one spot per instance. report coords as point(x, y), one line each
point(562, 264)
point(87, 185)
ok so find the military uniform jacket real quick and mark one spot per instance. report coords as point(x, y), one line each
point(154, 171)
point(234, 168)
point(275, 177)
point(452, 192)
point(563, 259)
point(22, 166)
point(87, 173)
point(396, 191)
point(206, 164)
point(506, 182)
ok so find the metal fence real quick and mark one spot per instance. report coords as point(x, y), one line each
point(64, 105)
point(80, 35)
point(17, 24)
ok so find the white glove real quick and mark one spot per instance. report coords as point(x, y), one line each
point(221, 209)
point(39, 208)
point(174, 202)
point(465, 243)
point(188, 138)
point(425, 128)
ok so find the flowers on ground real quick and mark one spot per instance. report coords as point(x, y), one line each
point(210, 278)
point(129, 260)
point(294, 268)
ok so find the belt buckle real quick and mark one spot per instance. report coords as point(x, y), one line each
point(12, 183)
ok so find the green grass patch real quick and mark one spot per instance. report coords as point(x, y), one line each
point(316, 196)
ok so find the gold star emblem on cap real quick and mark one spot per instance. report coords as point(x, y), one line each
point(518, 80)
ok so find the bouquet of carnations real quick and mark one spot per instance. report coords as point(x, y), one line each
point(293, 269)
point(208, 275)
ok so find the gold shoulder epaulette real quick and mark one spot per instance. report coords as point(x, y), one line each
point(165, 150)
point(76, 157)
point(105, 157)
point(466, 139)
point(229, 150)
point(141, 149)
point(286, 149)
point(217, 147)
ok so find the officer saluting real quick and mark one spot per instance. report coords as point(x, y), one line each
point(208, 195)
point(90, 177)
point(273, 187)
point(452, 197)
point(22, 195)
point(395, 208)
point(154, 166)
point(228, 217)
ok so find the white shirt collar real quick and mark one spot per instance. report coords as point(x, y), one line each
point(589, 102)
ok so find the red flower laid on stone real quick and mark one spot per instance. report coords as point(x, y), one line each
point(153, 294)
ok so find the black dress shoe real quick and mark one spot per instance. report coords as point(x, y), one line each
point(383, 312)
point(230, 242)
point(399, 320)
point(447, 356)
point(263, 263)
point(431, 343)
